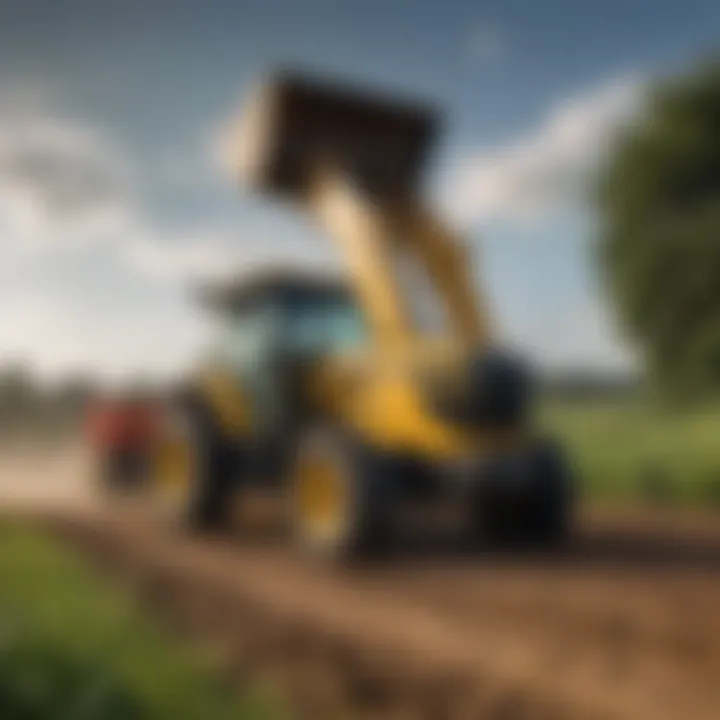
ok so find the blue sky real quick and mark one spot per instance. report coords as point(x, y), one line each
point(125, 100)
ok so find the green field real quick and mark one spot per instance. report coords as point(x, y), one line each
point(629, 451)
point(71, 647)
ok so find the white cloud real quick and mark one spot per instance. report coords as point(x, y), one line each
point(545, 171)
point(62, 183)
point(61, 336)
point(67, 186)
point(207, 255)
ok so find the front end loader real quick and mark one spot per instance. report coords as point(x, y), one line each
point(357, 395)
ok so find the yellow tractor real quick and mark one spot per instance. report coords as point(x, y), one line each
point(353, 395)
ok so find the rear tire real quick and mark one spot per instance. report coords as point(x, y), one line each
point(362, 523)
point(203, 502)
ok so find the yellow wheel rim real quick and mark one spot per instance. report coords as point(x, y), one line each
point(173, 472)
point(322, 500)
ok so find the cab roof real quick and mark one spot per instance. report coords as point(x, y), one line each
point(266, 284)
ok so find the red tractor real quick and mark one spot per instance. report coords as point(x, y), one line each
point(120, 430)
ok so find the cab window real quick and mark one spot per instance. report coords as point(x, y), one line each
point(315, 325)
point(247, 338)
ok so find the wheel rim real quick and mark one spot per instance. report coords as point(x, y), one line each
point(322, 501)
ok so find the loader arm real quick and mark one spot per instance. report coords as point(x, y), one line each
point(371, 233)
point(449, 267)
point(362, 231)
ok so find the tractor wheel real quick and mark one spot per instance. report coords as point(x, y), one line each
point(191, 471)
point(551, 501)
point(526, 499)
point(342, 498)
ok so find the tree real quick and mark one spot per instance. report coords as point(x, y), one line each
point(659, 203)
point(18, 393)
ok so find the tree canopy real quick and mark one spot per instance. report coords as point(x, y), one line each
point(659, 203)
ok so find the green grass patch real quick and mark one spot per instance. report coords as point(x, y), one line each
point(636, 452)
point(74, 648)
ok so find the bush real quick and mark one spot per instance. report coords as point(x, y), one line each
point(41, 680)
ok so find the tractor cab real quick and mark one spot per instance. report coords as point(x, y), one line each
point(283, 315)
point(275, 326)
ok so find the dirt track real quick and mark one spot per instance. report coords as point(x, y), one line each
point(625, 625)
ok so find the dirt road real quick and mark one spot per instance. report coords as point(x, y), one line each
point(625, 625)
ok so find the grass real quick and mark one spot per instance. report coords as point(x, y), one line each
point(73, 648)
point(630, 451)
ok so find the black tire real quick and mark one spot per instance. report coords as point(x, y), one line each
point(537, 511)
point(551, 506)
point(208, 500)
point(370, 521)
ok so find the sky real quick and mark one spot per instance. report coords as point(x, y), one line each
point(113, 202)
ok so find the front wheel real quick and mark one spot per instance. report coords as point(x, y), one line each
point(527, 498)
point(343, 497)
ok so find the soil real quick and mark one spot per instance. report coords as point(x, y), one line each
point(623, 624)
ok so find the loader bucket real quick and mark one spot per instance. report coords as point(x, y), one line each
point(293, 127)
